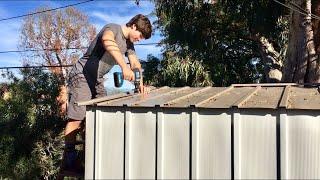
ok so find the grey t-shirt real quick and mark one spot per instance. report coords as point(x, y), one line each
point(97, 60)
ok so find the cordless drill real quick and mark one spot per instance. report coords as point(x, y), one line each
point(137, 78)
point(118, 79)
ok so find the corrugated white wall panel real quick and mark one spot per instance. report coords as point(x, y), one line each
point(303, 145)
point(140, 145)
point(173, 145)
point(109, 144)
point(255, 136)
point(284, 158)
point(89, 153)
point(211, 145)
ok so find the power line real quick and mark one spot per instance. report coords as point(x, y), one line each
point(53, 49)
point(30, 50)
point(298, 11)
point(298, 7)
point(28, 67)
point(44, 66)
point(146, 44)
point(53, 9)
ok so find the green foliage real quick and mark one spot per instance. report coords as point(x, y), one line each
point(49, 153)
point(177, 72)
point(223, 36)
point(30, 123)
point(282, 32)
point(152, 67)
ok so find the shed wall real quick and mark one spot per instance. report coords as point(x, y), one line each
point(183, 143)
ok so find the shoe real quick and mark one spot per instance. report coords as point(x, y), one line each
point(71, 164)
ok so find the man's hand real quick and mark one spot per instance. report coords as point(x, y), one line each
point(127, 73)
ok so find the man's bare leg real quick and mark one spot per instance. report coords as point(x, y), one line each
point(72, 128)
point(70, 154)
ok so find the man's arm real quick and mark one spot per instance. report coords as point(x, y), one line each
point(134, 63)
point(112, 47)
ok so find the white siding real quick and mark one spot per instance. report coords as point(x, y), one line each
point(183, 143)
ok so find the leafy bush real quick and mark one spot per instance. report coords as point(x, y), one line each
point(31, 126)
point(175, 71)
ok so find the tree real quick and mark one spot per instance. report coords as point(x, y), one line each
point(268, 41)
point(302, 62)
point(237, 40)
point(30, 138)
point(57, 30)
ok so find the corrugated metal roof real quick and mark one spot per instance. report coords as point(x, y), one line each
point(266, 96)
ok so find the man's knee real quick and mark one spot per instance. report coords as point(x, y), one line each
point(73, 125)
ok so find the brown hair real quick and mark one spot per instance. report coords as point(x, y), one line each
point(143, 25)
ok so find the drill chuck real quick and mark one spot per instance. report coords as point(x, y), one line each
point(137, 78)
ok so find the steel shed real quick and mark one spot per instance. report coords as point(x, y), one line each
point(252, 131)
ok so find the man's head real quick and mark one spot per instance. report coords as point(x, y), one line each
point(140, 28)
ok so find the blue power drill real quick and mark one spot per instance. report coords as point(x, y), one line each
point(118, 79)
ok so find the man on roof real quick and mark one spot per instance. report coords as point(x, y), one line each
point(86, 77)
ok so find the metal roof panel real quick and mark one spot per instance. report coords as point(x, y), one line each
point(270, 96)
point(163, 100)
point(227, 99)
point(304, 98)
point(198, 97)
point(266, 97)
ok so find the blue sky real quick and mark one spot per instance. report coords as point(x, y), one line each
point(100, 12)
